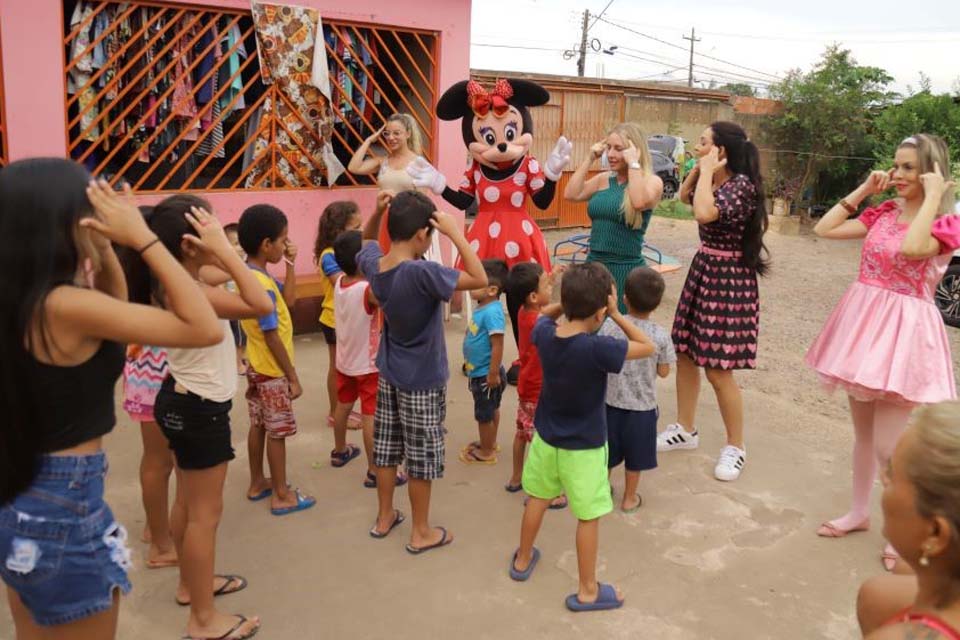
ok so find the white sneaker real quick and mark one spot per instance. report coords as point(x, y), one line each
point(730, 463)
point(676, 437)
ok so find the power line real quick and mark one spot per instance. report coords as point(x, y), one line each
point(693, 40)
point(512, 46)
point(684, 49)
point(597, 17)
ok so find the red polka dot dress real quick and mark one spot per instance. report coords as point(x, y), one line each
point(503, 228)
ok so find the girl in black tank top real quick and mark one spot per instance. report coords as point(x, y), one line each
point(64, 318)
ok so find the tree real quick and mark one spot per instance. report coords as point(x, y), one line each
point(827, 111)
point(739, 89)
point(921, 112)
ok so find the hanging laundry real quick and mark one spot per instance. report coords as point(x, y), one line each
point(227, 71)
point(78, 80)
point(286, 38)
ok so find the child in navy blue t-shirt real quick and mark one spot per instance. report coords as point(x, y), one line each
point(412, 359)
point(569, 453)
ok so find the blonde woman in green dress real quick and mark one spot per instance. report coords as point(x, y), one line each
point(620, 201)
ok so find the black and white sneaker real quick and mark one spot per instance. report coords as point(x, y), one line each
point(730, 463)
point(676, 437)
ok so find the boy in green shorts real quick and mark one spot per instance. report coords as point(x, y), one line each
point(569, 451)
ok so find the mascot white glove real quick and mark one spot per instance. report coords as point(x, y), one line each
point(425, 176)
point(558, 159)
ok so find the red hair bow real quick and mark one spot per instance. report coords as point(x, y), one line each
point(481, 100)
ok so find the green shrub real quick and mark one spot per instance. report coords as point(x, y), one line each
point(673, 209)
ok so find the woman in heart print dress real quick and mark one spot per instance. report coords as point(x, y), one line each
point(718, 315)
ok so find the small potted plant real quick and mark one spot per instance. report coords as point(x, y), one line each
point(784, 192)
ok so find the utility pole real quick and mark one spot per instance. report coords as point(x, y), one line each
point(582, 61)
point(693, 39)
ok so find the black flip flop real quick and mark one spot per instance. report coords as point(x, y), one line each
point(229, 634)
point(399, 517)
point(224, 589)
point(444, 541)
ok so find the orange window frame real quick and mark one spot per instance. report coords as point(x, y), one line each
point(124, 106)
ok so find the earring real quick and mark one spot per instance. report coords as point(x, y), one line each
point(924, 560)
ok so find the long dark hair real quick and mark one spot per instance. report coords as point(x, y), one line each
point(41, 202)
point(333, 222)
point(743, 157)
point(168, 221)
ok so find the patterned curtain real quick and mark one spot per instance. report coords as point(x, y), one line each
point(286, 38)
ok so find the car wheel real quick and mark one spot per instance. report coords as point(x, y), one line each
point(669, 190)
point(947, 296)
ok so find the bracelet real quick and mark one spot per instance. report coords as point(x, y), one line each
point(148, 245)
point(849, 207)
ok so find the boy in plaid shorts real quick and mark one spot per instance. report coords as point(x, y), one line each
point(411, 399)
point(569, 450)
point(272, 383)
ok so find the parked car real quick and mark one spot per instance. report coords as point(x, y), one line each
point(664, 151)
point(947, 295)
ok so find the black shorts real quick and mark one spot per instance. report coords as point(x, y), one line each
point(198, 430)
point(632, 438)
point(329, 334)
point(486, 400)
point(239, 337)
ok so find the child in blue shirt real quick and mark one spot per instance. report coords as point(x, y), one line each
point(482, 355)
point(569, 453)
point(412, 359)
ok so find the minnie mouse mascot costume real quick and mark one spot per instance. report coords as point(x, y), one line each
point(498, 131)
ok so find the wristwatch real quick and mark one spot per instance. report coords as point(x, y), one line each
point(635, 165)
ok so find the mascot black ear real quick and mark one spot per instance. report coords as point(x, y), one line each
point(528, 94)
point(452, 105)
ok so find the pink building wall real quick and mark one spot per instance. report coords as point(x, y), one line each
point(31, 35)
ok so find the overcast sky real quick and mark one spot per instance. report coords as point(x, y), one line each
point(749, 41)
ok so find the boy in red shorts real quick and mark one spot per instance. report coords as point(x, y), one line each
point(359, 324)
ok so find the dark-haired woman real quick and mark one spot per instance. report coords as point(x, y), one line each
point(718, 314)
point(63, 320)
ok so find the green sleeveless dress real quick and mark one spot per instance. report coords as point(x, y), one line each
point(612, 243)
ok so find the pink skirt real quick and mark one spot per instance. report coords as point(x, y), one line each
point(143, 374)
point(882, 345)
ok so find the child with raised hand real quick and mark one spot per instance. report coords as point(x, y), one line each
point(232, 231)
point(359, 324)
point(632, 394)
point(272, 382)
point(193, 411)
point(569, 453)
point(412, 359)
point(534, 287)
point(65, 317)
point(337, 217)
point(482, 355)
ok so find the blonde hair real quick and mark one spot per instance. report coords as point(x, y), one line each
point(630, 132)
point(932, 150)
point(414, 142)
point(934, 465)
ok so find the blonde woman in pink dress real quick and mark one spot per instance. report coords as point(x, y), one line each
point(885, 344)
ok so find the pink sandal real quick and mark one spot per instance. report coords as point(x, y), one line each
point(830, 530)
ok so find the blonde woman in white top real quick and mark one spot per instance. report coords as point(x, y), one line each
point(400, 136)
point(193, 411)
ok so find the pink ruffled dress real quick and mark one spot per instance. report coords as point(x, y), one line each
point(885, 340)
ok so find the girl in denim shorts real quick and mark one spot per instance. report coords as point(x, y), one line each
point(64, 315)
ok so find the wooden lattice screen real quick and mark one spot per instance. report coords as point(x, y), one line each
point(170, 97)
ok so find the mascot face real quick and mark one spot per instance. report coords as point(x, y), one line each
point(499, 141)
point(496, 123)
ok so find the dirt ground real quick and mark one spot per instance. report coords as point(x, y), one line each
point(701, 560)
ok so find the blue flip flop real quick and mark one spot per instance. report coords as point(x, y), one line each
point(303, 503)
point(263, 495)
point(444, 541)
point(606, 599)
point(523, 576)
